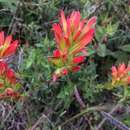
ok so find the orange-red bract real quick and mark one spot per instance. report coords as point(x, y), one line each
point(7, 45)
point(8, 82)
point(121, 75)
point(72, 35)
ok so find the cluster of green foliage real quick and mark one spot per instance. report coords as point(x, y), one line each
point(31, 21)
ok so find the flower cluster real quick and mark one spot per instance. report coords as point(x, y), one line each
point(8, 80)
point(7, 46)
point(121, 75)
point(72, 35)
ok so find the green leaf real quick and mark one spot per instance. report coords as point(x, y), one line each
point(127, 121)
point(90, 51)
point(10, 4)
point(8, 1)
point(101, 50)
point(66, 95)
point(30, 59)
point(111, 28)
point(125, 48)
point(121, 56)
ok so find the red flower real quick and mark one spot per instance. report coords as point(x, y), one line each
point(58, 73)
point(120, 75)
point(64, 71)
point(7, 73)
point(72, 35)
point(1, 85)
point(78, 59)
point(11, 76)
point(8, 81)
point(10, 93)
point(73, 32)
point(7, 46)
point(56, 53)
point(76, 68)
point(3, 67)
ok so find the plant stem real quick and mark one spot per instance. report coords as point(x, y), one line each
point(96, 108)
point(111, 112)
point(114, 109)
point(77, 95)
point(39, 121)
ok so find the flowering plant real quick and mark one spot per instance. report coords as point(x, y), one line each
point(120, 75)
point(7, 46)
point(8, 82)
point(72, 35)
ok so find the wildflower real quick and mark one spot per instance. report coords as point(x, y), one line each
point(78, 59)
point(120, 75)
point(7, 45)
point(8, 82)
point(76, 68)
point(72, 35)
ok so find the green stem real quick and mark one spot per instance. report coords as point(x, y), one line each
point(124, 95)
point(76, 93)
point(115, 108)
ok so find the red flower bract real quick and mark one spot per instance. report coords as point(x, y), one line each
point(120, 75)
point(8, 82)
point(78, 59)
point(76, 68)
point(7, 46)
point(64, 71)
point(56, 53)
point(72, 35)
